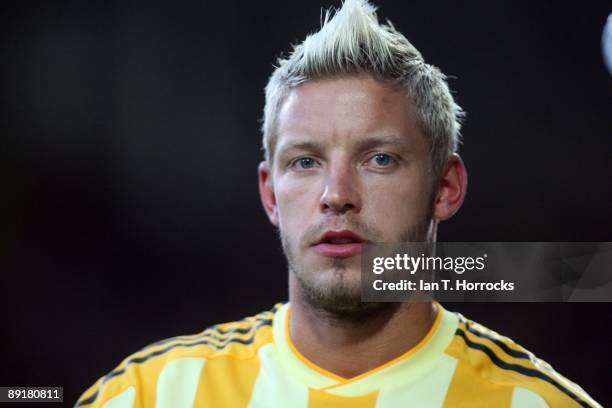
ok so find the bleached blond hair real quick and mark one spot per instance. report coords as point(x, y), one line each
point(352, 41)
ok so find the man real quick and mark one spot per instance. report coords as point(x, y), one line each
point(360, 137)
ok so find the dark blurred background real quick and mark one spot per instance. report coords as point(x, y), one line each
point(131, 139)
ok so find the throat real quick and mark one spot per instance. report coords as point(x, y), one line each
point(354, 344)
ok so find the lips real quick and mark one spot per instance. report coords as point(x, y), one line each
point(343, 243)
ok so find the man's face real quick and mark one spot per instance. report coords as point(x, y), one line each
point(351, 165)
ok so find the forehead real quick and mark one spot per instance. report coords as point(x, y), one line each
point(344, 110)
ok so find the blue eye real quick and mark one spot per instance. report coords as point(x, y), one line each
point(382, 160)
point(306, 163)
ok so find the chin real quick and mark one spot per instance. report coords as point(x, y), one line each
point(338, 273)
point(331, 285)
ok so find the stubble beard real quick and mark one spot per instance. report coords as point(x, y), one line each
point(339, 297)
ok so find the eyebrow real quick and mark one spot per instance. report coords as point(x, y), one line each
point(365, 143)
point(308, 146)
point(380, 140)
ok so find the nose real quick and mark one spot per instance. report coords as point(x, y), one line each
point(341, 193)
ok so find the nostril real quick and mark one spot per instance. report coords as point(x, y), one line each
point(339, 198)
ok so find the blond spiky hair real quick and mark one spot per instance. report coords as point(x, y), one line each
point(352, 41)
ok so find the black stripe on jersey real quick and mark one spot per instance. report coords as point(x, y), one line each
point(207, 333)
point(510, 351)
point(518, 368)
point(261, 316)
point(140, 360)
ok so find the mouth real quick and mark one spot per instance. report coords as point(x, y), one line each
point(342, 243)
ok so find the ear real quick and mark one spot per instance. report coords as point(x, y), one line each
point(266, 192)
point(452, 187)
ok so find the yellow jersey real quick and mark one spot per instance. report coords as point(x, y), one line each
point(253, 363)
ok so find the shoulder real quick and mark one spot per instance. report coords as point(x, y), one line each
point(239, 339)
point(182, 357)
point(493, 362)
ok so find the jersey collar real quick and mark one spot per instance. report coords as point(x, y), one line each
point(401, 371)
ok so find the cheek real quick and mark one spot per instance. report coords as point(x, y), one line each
point(395, 204)
point(296, 201)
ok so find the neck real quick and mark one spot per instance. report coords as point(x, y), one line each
point(351, 346)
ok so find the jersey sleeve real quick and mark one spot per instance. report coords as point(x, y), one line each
point(120, 388)
point(170, 372)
